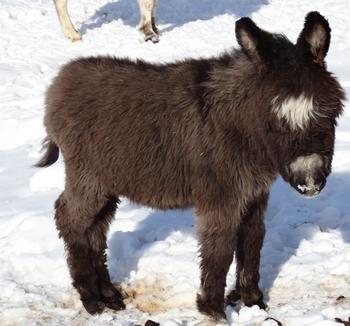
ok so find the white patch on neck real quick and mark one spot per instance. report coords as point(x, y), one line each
point(297, 111)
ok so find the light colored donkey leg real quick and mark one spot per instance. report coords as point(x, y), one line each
point(67, 27)
point(154, 26)
point(147, 9)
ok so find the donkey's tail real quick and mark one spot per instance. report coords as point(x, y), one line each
point(51, 154)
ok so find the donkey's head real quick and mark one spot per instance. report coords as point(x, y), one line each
point(298, 99)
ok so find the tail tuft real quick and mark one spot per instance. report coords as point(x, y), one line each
point(51, 154)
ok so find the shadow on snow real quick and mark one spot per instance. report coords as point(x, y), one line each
point(173, 12)
point(289, 220)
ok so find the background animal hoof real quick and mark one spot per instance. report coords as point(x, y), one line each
point(152, 37)
point(73, 36)
point(94, 307)
point(155, 38)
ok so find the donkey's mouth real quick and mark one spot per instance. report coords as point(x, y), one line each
point(308, 191)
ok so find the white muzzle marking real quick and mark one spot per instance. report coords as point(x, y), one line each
point(307, 165)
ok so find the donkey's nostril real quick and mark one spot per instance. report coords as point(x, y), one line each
point(310, 190)
point(303, 188)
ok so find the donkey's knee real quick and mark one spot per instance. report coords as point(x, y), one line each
point(96, 233)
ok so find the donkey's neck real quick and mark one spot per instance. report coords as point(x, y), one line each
point(235, 102)
point(234, 121)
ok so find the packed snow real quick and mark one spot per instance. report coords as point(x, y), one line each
point(305, 267)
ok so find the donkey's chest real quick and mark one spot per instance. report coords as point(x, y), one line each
point(244, 175)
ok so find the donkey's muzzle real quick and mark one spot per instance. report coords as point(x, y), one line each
point(307, 174)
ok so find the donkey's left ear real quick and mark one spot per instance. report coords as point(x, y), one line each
point(254, 41)
point(315, 38)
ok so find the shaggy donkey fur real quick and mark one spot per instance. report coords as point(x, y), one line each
point(212, 134)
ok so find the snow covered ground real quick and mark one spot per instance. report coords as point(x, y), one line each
point(305, 266)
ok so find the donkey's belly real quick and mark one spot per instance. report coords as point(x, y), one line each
point(162, 202)
point(156, 190)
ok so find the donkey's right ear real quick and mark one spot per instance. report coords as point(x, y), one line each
point(252, 40)
point(314, 39)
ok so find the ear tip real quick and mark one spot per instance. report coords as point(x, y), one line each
point(313, 14)
point(244, 19)
point(316, 17)
point(245, 23)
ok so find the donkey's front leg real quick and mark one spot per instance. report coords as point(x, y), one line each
point(154, 10)
point(147, 21)
point(66, 24)
point(216, 237)
point(249, 243)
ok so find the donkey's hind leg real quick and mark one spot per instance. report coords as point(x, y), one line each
point(147, 21)
point(111, 297)
point(66, 24)
point(72, 226)
point(77, 219)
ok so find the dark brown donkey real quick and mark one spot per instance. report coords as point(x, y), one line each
point(212, 134)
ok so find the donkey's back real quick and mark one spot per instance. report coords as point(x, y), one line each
point(131, 127)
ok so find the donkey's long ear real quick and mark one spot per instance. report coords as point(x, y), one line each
point(253, 41)
point(314, 39)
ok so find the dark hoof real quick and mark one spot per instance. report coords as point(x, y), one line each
point(259, 303)
point(112, 298)
point(249, 299)
point(214, 311)
point(253, 298)
point(151, 323)
point(93, 307)
point(117, 305)
point(114, 303)
point(232, 298)
point(262, 305)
